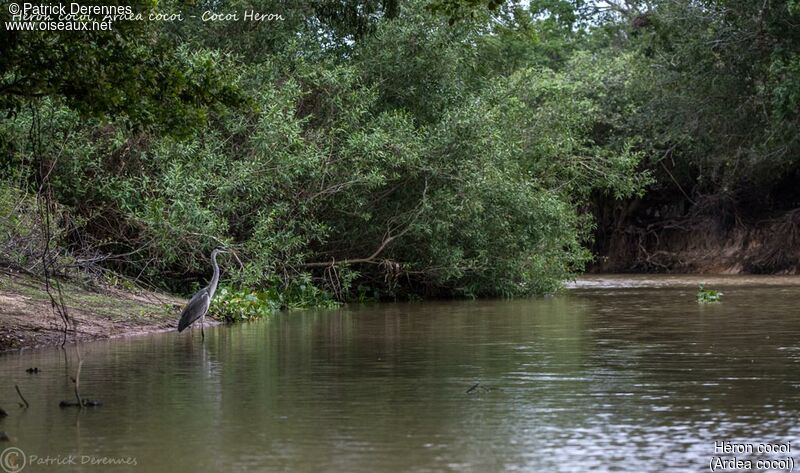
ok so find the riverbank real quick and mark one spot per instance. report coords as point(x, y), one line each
point(663, 234)
point(691, 281)
point(28, 321)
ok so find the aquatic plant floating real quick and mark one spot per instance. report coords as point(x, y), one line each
point(706, 296)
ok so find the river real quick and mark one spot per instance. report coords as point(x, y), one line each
point(614, 374)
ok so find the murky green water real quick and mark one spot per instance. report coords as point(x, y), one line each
point(597, 379)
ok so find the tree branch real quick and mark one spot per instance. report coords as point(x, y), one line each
point(371, 259)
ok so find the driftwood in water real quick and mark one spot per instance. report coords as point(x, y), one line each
point(25, 402)
point(80, 401)
point(77, 380)
point(84, 403)
point(478, 388)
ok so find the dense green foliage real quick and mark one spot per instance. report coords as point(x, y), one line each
point(135, 72)
point(724, 100)
point(236, 305)
point(388, 149)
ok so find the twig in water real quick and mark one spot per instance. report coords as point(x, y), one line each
point(473, 388)
point(81, 402)
point(26, 405)
point(77, 381)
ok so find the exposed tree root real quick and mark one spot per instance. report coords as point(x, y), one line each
point(711, 238)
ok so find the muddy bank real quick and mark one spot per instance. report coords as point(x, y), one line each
point(711, 235)
point(28, 321)
point(688, 281)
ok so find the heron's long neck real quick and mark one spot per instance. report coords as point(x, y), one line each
point(212, 286)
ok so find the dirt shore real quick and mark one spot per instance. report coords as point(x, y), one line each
point(27, 319)
point(662, 233)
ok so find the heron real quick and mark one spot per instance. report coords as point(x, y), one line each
point(200, 302)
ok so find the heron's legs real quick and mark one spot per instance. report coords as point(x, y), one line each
point(202, 322)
